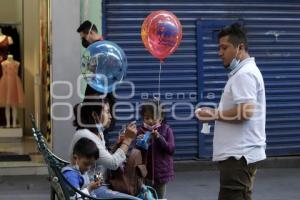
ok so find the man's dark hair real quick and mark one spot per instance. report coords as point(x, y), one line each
point(86, 148)
point(85, 27)
point(236, 33)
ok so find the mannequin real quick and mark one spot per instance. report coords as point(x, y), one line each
point(5, 41)
point(11, 90)
point(2, 36)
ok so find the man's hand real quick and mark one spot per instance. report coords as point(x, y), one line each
point(206, 114)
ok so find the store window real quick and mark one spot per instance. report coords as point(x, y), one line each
point(24, 76)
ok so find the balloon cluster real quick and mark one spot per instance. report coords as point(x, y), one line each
point(104, 63)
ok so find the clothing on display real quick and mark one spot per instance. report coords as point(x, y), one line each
point(11, 89)
point(5, 42)
point(9, 44)
point(15, 47)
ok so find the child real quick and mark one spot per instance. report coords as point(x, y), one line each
point(161, 147)
point(85, 153)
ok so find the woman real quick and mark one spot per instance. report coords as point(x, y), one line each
point(92, 117)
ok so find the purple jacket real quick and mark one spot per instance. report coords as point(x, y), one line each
point(162, 150)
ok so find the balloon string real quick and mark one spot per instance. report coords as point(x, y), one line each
point(159, 79)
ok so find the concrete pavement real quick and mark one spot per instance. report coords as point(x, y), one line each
point(271, 184)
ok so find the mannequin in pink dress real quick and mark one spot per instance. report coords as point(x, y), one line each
point(5, 42)
point(11, 90)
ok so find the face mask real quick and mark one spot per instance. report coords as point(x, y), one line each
point(234, 63)
point(100, 128)
point(98, 124)
point(76, 166)
point(151, 127)
point(84, 43)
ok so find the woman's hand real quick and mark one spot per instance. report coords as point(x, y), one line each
point(131, 131)
point(130, 134)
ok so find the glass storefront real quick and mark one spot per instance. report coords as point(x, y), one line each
point(33, 26)
point(24, 76)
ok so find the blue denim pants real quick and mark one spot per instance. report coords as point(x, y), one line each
point(105, 192)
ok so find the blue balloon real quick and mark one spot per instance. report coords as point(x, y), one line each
point(103, 64)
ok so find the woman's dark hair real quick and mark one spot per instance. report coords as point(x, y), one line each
point(90, 93)
point(154, 108)
point(86, 148)
point(236, 33)
point(83, 113)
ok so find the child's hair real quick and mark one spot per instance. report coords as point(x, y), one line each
point(154, 108)
point(86, 148)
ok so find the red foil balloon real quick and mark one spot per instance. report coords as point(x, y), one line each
point(161, 33)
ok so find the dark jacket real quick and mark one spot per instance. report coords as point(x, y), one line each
point(161, 151)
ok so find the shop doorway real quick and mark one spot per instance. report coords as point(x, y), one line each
point(26, 26)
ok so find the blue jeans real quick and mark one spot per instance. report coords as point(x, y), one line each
point(105, 192)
